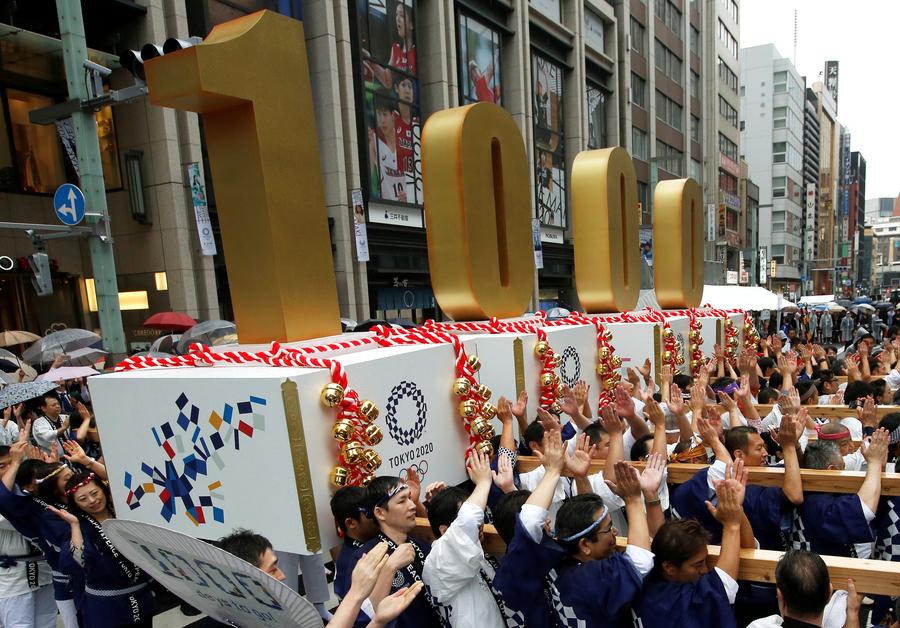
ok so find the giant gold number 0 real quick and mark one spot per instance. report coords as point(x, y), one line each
point(678, 243)
point(478, 212)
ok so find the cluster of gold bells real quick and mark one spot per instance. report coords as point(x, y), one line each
point(354, 436)
point(476, 408)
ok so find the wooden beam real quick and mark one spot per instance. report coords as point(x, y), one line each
point(875, 577)
point(831, 412)
point(813, 480)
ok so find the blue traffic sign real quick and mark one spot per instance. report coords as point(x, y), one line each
point(68, 203)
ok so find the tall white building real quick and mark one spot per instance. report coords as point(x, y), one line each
point(772, 103)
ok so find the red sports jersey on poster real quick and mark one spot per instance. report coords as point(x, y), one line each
point(405, 148)
point(482, 92)
point(405, 61)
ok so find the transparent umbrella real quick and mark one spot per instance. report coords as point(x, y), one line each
point(52, 345)
point(166, 344)
point(10, 363)
point(209, 333)
point(86, 356)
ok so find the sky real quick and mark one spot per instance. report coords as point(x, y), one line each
point(863, 37)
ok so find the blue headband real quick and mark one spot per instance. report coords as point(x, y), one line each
point(385, 499)
point(588, 529)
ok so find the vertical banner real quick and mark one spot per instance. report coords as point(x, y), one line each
point(201, 209)
point(711, 222)
point(831, 80)
point(536, 241)
point(763, 264)
point(810, 234)
point(359, 226)
point(66, 132)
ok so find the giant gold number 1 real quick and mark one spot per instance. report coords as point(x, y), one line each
point(250, 80)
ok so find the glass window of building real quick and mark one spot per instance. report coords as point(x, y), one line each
point(549, 149)
point(695, 129)
point(727, 147)
point(640, 145)
point(695, 41)
point(669, 158)
point(669, 111)
point(728, 182)
point(728, 112)
point(479, 61)
point(669, 14)
point(638, 91)
point(727, 76)
point(390, 96)
point(550, 8)
point(596, 110)
point(37, 149)
point(696, 171)
point(695, 85)
point(668, 63)
point(638, 37)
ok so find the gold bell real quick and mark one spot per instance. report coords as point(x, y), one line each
point(352, 451)
point(667, 356)
point(554, 408)
point(332, 395)
point(728, 323)
point(668, 333)
point(368, 410)
point(461, 386)
point(561, 390)
point(541, 348)
point(616, 362)
point(484, 392)
point(468, 408)
point(343, 430)
point(609, 384)
point(604, 353)
point(602, 369)
point(366, 479)
point(607, 335)
point(484, 447)
point(679, 358)
point(695, 364)
point(339, 475)
point(372, 434)
point(557, 360)
point(474, 363)
point(482, 427)
point(548, 379)
point(488, 411)
point(371, 459)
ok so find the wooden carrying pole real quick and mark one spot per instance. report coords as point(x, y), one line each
point(874, 577)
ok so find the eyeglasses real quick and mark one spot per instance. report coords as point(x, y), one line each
point(610, 530)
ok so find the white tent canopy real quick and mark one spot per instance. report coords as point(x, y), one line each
point(817, 299)
point(728, 298)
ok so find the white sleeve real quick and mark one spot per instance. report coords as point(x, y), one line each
point(716, 472)
point(572, 443)
point(731, 587)
point(43, 432)
point(855, 461)
point(533, 518)
point(867, 512)
point(469, 519)
point(453, 561)
point(893, 378)
point(628, 440)
point(599, 487)
point(641, 559)
point(368, 609)
point(529, 480)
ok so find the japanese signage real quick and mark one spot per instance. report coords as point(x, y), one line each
point(831, 80)
point(809, 235)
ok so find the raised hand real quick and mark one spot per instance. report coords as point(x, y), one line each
point(579, 463)
point(698, 399)
point(665, 374)
point(676, 400)
point(74, 453)
point(504, 410)
point(368, 568)
point(582, 390)
point(412, 480)
point(392, 606)
point(743, 392)
point(654, 411)
point(628, 482)
point(728, 510)
point(788, 435)
point(552, 454)
point(521, 404)
point(548, 421)
point(651, 476)
point(708, 432)
point(478, 466)
point(876, 453)
point(718, 353)
point(569, 403)
point(727, 402)
point(645, 369)
point(503, 476)
point(611, 421)
point(436, 487)
point(65, 515)
point(633, 377)
point(623, 402)
point(866, 414)
point(649, 391)
point(83, 412)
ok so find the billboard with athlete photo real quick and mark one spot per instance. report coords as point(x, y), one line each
point(549, 153)
point(387, 52)
point(479, 62)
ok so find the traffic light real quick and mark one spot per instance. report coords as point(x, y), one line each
point(40, 268)
point(133, 60)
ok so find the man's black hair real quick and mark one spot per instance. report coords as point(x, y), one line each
point(858, 390)
point(348, 502)
point(595, 432)
point(682, 381)
point(738, 437)
point(765, 363)
point(506, 511)
point(534, 433)
point(246, 545)
point(768, 395)
point(803, 580)
point(444, 506)
point(378, 489)
point(641, 447)
point(575, 515)
point(27, 472)
point(4, 451)
point(775, 380)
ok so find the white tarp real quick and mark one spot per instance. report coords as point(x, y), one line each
point(817, 299)
point(727, 298)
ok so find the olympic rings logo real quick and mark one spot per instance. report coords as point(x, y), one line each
point(421, 469)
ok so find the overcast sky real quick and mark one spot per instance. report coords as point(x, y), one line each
point(861, 35)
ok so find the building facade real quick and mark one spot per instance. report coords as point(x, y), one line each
point(878, 209)
point(828, 264)
point(811, 237)
point(772, 106)
point(856, 195)
point(721, 147)
point(145, 152)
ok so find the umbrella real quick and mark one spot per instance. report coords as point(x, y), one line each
point(52, 345)
point(66, 372)
point(369, 323)
point(348, 324)
point(151, 354)
point(556, 313)
point(166, 344)
point(207, 333)
point(17, 393)
point(834, 307)
point(85, 356)
point(174, 321)
point(16, 337)
point(866, 300)
point(884, 305)
point(844, 303)
point(865, 307)
point(10, 363)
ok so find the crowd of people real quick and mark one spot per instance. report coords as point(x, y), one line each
point(557, 515)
